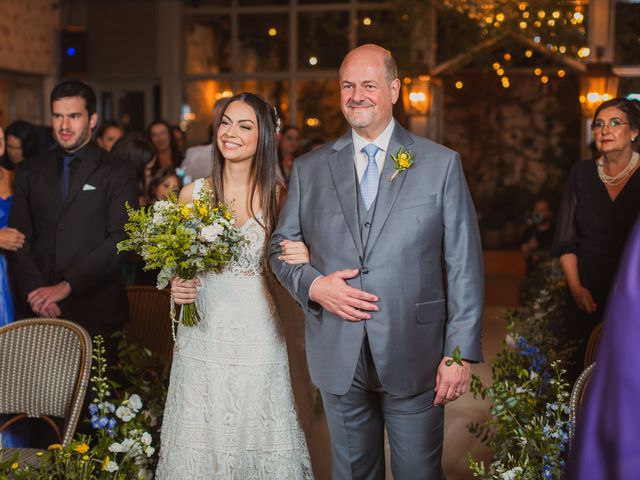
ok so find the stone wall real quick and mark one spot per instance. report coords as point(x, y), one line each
point(29, 36)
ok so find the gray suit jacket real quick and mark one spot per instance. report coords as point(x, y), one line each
point(423, 260)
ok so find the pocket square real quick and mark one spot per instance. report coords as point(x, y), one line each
point(86, 187)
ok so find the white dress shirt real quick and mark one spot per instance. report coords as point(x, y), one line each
point(381, 141)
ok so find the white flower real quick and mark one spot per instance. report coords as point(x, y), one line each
point(511, 474)
point(210, 232)
point(146, 438)
point(149, 451)
point(111, 466)
point(135, 402)
point(124, 413)
point(116, 447)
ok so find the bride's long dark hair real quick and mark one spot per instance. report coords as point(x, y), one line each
point(266, 181)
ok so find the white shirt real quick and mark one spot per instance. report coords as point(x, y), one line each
point(381, 141)
point(197, 162)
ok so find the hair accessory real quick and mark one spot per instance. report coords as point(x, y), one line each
point(277, 120)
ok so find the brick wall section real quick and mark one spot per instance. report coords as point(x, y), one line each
point(29, 35)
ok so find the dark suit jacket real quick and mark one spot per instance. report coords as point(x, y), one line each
point(75, 240)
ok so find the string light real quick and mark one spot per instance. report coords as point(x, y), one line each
point(537, 71)
point(272, 32)
point(459, 85)
point(366, 21)
point(561, 73)
point(313, 61)
point(544, 79)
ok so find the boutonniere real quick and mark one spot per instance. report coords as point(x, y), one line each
point(403, 160)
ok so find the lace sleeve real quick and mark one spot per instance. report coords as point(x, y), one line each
point(565, 239)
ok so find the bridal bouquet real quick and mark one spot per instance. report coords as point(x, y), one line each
point(183, 240)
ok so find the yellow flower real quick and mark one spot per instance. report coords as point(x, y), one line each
point(39, 454)
point(186, 211)
point(202, 210)
point(14, 466)
point(55, 446)
point(67, 455)
point(81, 448)
point(403, 160)
point(227, 215)
point(85, 457)
point(106, 462)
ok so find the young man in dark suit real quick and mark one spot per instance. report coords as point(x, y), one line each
point(70, 204)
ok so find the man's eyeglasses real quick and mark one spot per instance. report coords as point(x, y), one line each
point(598, 125)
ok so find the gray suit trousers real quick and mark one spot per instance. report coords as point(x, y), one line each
point(357, 419)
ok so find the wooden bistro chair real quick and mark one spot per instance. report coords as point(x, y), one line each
point(592, 345)
point(578, 394)
point(149, 320)
point(45, 366)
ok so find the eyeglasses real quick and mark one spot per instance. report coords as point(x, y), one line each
point(614, 123)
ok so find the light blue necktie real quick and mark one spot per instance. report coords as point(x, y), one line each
point(371, 177)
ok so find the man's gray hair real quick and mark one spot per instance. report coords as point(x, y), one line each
point(390, 68)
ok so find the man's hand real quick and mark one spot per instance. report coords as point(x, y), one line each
point(333, 293)
point(451, 381)
point(11, 239)
point(41, 299)
point(52, 311)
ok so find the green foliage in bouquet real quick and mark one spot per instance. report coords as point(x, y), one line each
point(528, 425)
point(120, 448)
point(183, 240)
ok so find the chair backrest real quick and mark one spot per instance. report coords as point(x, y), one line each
point(45, 366)
point(577, 395)
point(592, 345)
point(149, 319)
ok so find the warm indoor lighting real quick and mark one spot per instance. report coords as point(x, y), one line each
point(578, 17)
point(416, 96)
point(272, 32)
point(496, 66)
point(556, 14)
point(541, 14)
point(507, 56)
point(500, 17)
point(366, 21)
point(525, 14)
point(313, 61)
point(523, 25)
point(597, 85)
point(584, 52)
point(459, 84)
point(312, 122)
point(562, 49)
point(500, 71)
point(561, 73)
point(537, 71)
point(544, 79)
point(406, 80)
point(528, 54)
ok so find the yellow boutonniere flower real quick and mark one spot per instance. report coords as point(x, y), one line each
point(403, 159)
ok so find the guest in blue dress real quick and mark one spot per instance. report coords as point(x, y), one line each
point(10, 240)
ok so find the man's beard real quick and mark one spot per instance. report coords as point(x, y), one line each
point(83, 138)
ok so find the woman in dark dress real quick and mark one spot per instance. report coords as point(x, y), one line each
point(600, 205)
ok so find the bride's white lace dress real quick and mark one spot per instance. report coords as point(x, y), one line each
point(230, 411)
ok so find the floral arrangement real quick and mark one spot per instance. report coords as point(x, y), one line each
point(183, 240)
point(403, 159)
point(120, 449)
point(528, 426)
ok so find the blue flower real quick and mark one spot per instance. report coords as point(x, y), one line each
point(546, 471)
point(93, 409)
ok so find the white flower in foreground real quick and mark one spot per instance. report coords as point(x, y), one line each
point(511, 474)
point(116, 447)
point(124, 413)
point(111, 466)
point(144, 474)
point(134, 402)
point(146, 438)
point(149, 451)
point(211, 232)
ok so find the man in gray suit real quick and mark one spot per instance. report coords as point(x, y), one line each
point(394, 286)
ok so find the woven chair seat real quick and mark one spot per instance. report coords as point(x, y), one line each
point(44, 372)
point(25, 455)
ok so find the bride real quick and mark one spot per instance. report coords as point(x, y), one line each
point(230, 410)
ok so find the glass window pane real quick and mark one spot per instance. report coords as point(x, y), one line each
point(627, 48)
point(322, 39)
point(208, 44)
point(319, 113)
point(276, 92)
point(387, 29)
point(200, 96)
point(264, 43)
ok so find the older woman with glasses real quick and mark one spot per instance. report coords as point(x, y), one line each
point(599, 207)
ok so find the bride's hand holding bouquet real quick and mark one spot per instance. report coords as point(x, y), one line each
point(183, 240)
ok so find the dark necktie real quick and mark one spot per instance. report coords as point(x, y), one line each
point(64, 179)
